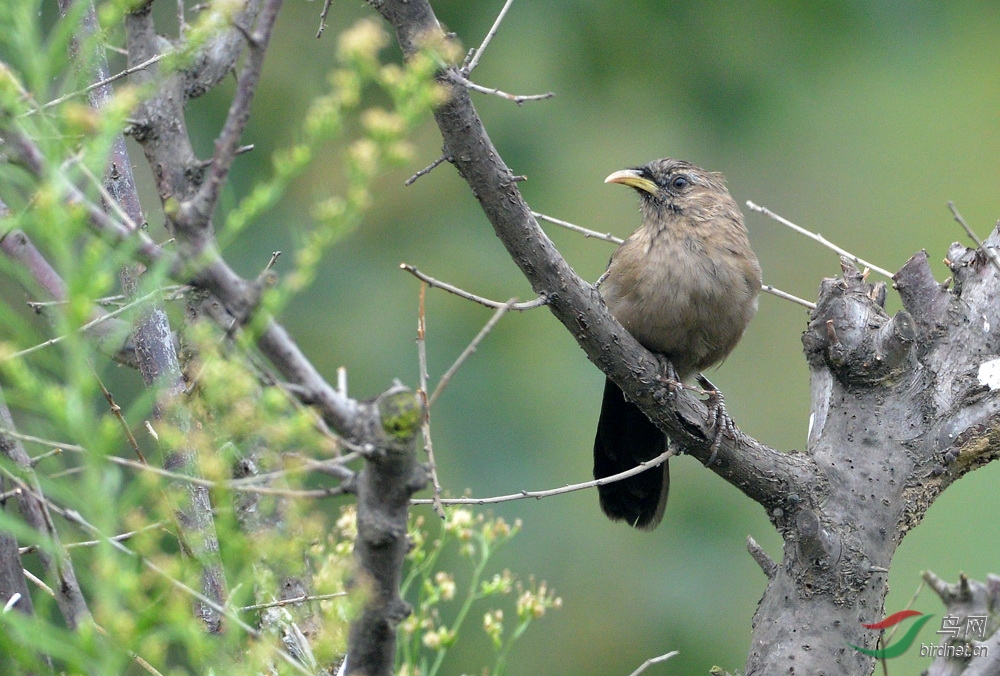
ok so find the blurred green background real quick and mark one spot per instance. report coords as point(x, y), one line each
point(856, 119)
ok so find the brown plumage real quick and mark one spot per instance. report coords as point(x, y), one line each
point(685, 284)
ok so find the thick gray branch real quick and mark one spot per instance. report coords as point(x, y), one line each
point(155, 352)
point(390, 477)
point(761, 472)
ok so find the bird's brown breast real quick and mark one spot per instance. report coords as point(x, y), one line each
point(685, 287)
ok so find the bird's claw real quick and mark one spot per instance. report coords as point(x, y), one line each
point(717, 416)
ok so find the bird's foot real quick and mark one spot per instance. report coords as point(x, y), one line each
point(668, 374)
point(717, 416)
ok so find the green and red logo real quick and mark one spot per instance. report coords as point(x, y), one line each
point(903, 644)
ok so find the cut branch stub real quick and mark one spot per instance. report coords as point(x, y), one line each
point(817, 544)
point(391, 475)
point(921, 294)
point(851, 334)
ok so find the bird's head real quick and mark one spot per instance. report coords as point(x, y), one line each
point(674, 186)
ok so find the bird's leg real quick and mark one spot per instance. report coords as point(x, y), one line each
point(717, 415)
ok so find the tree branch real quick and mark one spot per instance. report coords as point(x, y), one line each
point(761, 472)
point(390, 477)
point(58, 565)
point(156, 354)
point(195, 216)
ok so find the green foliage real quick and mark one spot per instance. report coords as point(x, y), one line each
point(91, 457)
point(382, 143)
point(435, 624)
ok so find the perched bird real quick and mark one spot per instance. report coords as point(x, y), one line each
point(685, 285)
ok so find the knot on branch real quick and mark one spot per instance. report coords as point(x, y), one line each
point(923, 297)
point(851, 334)
point(816, 544)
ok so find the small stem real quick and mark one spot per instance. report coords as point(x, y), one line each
point(468, 68)
point(470, 598)
point(819, 238)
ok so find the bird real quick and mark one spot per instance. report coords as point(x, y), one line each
point(685, 284)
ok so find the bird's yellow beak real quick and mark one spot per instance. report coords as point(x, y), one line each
point(634, 179)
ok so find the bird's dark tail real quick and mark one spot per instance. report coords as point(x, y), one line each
point(626, 437)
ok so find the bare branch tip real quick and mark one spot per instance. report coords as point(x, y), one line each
point(762, 558)
point(815, 236)
point(426, 170)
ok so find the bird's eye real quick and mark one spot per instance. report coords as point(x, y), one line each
point(680, 182)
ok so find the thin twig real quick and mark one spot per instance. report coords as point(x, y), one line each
point(437, 284)
point(85, 327)
point(48, 454)
point(287, 602)
point(422, 393)
point(322, 18)
point(109, 200)
point(470, 348)
point(13, 434)
point(762, 558)
point(265, 274)
point(106, 81)
point(471, 65)
point(15, 597)
point(228, 140)
point(426, 170)
point(117, 411)
point(519, 99)
point(7, 495)
point(231, 484)
point(239, 151)
point(342, 381)
point(909, 604)
point(538, 495)
point(607, 236)
point(181, 21)
point(654, 660)
point(30, 577)
point(819, 238)
point(170, 292)
point(121, 537)
point(778, 293)
point(975, 238)
point(242, 485)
